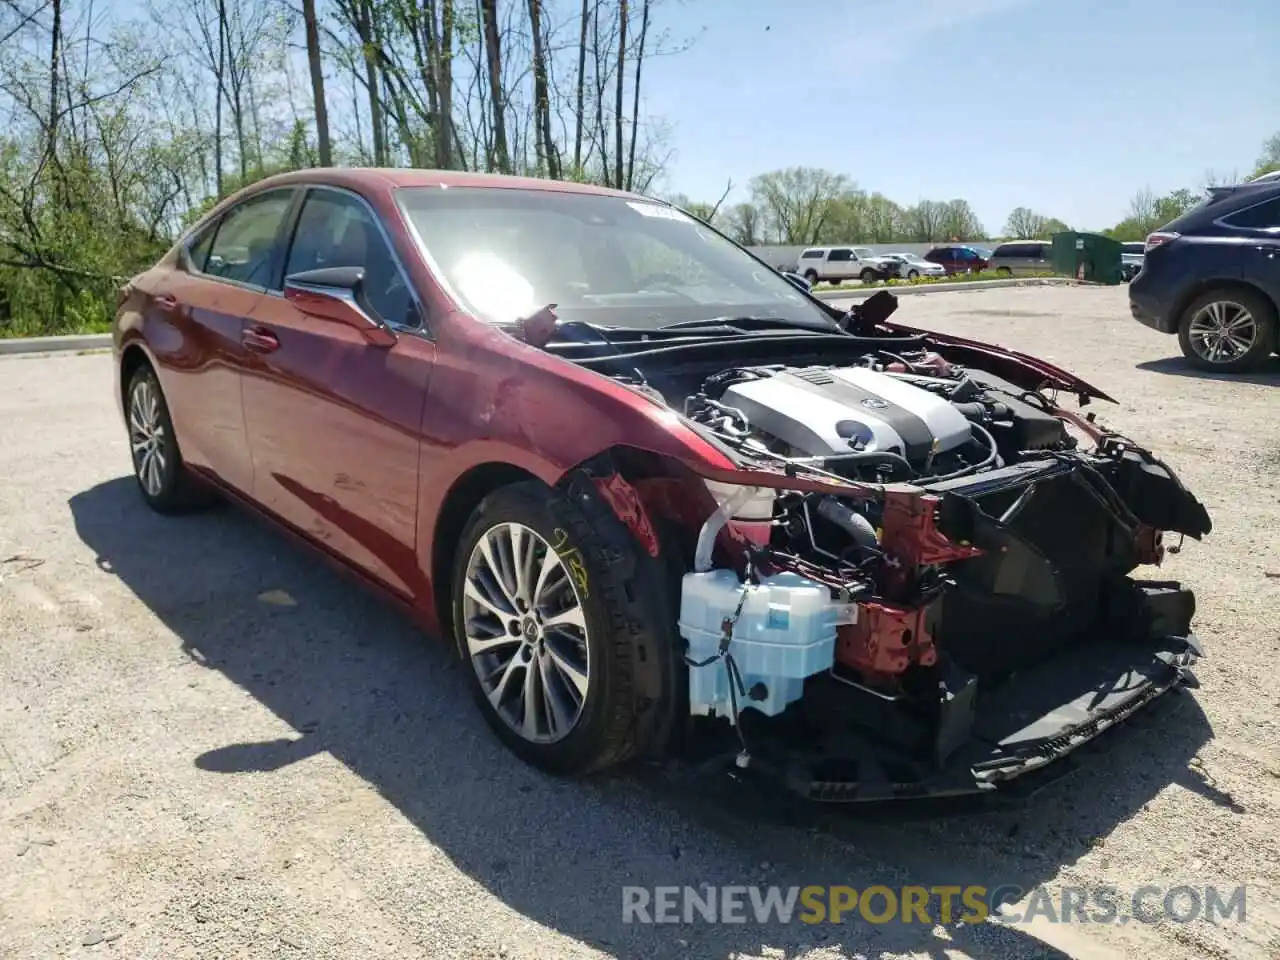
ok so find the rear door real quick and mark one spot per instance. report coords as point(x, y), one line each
point(194, 326)
point(841, 264)
point(333, 421)
point(1260, 225)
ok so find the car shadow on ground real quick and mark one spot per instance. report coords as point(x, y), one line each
point(1269, 375)
point(359, 682)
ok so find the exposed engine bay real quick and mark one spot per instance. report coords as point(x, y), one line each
point(886, 419)
point(923, 576)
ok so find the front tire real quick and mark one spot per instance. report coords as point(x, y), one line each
point(869, 276)
point(1228, 330)
point(547, 626)
point(1003, 272)
point(157, 458)
point(913, 274)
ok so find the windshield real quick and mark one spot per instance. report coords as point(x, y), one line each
point(605, 260)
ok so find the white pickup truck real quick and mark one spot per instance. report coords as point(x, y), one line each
point(840, 264)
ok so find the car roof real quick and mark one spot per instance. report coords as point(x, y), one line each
point(391, 178)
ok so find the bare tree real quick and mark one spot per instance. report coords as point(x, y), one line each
point(618, 112)
point(1025, 224)
point(581, 86)
point(317, 82)
point(548, 160)
point(501, 158)
point(635, 95)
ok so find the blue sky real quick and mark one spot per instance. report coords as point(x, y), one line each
point(1065, 106)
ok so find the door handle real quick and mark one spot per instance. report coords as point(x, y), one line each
point(260, 340)
point(167, 301)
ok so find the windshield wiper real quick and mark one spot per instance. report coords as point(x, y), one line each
point(747, 323)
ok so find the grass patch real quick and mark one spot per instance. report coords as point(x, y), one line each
point(927, 281)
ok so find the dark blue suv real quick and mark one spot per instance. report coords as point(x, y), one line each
point(1213, 277)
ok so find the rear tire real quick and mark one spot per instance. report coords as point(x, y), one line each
point(811, 276)
point(163, 480)
point(1229, 330)
point(565, 642)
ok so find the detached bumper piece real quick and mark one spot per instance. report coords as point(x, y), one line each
point(853, 744)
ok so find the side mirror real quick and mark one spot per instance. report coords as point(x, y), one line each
point(798, 281)
point(337, 294)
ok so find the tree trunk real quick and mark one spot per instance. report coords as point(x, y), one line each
point(617, 100)
point(598, 57)
point(317, 82)
point(493, 53)
point(444, 89)
point(546, 147)
point(582, 80)
point(635, 95)
point(364, 30)
point(220, 95)
point(55, 57)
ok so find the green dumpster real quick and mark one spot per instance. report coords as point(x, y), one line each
point(1087, 256)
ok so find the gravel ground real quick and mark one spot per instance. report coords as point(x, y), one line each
point(187, 770)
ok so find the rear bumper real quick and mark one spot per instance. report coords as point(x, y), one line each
point(1149, 310)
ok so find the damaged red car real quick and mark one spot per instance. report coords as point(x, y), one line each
point(652, 490)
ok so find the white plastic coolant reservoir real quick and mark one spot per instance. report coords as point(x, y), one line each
point(785, 632)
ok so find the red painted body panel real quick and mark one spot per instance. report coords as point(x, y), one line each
point(332, 426)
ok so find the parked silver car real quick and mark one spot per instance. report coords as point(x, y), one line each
point(1022, 257)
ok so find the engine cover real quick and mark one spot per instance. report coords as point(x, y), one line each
point(826, 411)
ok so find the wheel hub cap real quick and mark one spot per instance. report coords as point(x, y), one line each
point(526, 632)
point(147, 437)
point(1222, 331)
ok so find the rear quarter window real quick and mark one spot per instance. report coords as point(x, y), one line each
point(1260, 216)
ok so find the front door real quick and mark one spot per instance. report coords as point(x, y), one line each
point(333, 421)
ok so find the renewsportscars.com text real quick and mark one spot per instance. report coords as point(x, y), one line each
point(930, 905)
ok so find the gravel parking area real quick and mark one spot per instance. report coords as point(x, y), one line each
point(213, 746)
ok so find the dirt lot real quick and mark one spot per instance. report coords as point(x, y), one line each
point(189, 771)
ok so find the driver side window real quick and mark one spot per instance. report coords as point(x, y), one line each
point(336, 230)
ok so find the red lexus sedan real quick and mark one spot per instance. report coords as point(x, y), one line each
point(652, 489)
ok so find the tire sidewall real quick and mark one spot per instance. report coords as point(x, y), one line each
point(552, 517)
point(171, 473)
point(1263, 314)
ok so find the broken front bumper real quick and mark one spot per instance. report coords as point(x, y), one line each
point(1032, 722)
point(1014, 736)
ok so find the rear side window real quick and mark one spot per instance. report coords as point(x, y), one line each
point(1260, 216)
point(811, 255)
point(245, 247)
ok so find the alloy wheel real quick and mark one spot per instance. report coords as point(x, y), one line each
point(147, 437)
point(1222, 331)
point(526, 632)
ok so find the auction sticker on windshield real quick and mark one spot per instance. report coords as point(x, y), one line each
point(658, 211)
